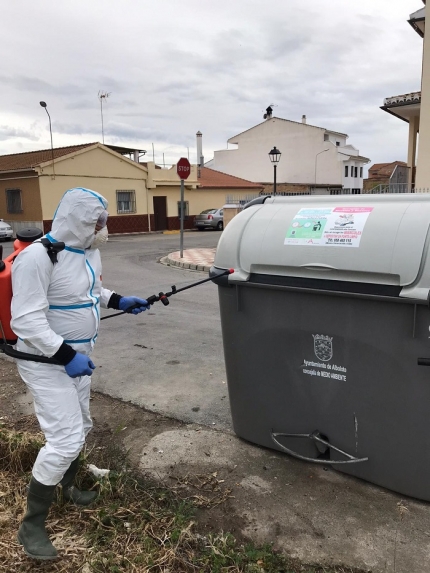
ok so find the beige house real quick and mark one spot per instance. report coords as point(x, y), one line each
point(32, 184)
point(142, 197)
point(414, 108)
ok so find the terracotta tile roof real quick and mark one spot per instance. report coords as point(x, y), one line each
point(29, 159)
point(384, 169)
point(209, 179)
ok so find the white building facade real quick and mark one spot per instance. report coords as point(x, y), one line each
point(312, 157)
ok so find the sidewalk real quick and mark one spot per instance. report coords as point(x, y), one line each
point(193, 259)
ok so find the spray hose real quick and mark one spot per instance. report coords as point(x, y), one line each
point(162, 296)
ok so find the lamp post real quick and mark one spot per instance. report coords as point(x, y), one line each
point(316, 157)
point(44, 105)
point(274, 156)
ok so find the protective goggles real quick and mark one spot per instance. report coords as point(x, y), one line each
point(102, 220)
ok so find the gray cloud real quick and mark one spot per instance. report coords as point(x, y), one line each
point(8, 132)
point(34, 84)
point(189, 67)
point(73, 128)
point(125, 131)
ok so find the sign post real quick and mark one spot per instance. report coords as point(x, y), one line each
point(183, 169)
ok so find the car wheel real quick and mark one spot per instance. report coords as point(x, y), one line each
point(220, 226)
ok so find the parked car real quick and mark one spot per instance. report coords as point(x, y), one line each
point(6, 231)
point(209, 219)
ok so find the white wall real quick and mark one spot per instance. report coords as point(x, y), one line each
point(336, 138)
point(352, 182)
point(301, 161)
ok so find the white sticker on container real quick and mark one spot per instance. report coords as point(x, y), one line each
point(328, 227)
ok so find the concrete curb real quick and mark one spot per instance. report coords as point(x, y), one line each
point(135, 233)
point(150, 233)
point(168, 261)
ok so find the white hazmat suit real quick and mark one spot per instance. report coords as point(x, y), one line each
point(56, 313)
point(54, 304)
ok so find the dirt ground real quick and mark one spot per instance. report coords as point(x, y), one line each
point(115, 423)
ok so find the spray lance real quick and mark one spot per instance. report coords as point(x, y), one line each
point(163, 297)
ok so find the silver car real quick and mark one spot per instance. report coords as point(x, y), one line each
point(209, 219)
point(6, 231)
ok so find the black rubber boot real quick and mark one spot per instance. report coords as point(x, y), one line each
point(72, 493)
point(32, 533)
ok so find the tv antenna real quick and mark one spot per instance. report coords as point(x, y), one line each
point(269, 111)
point(102, 96)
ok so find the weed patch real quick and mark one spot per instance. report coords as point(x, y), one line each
point(134, 526)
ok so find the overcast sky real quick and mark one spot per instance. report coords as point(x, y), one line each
point(173, 67)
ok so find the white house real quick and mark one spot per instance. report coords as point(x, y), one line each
point(314, 159)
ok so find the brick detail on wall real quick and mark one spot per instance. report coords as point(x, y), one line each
point(174, 223)
point(134, 224)
point(128, 224)
point(285, 188)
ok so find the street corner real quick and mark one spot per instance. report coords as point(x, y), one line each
point(200, 259)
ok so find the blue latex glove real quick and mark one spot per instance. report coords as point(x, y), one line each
point(80, 365)
point(126, 302)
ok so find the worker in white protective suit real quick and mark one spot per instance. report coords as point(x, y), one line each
point(56, 313)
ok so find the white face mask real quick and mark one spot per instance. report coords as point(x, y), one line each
point(100, 238)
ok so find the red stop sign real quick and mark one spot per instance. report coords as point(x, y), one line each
point(183, 168)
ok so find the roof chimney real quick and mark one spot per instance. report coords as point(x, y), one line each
point(200, 158)
point(303, 119)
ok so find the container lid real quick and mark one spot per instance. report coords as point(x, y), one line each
point(380, 239)
point(29, 234)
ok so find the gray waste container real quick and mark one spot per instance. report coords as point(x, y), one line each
point(325, 323)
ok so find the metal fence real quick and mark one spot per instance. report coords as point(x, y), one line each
point(397, 188)
point(241, 201)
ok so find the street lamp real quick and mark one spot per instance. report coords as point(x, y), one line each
point(44, 105)
point(274, 156)
point(316, 157)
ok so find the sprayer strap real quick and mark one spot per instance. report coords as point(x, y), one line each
point(52, 248)
point(10, 351)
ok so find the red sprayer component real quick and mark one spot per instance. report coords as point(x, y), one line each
point(24, 238)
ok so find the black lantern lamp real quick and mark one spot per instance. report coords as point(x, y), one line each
point(274, 156)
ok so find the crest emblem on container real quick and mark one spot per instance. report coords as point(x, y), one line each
point(323, 347)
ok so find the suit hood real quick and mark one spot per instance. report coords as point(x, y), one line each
point(76, 216)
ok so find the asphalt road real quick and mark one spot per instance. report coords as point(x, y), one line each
point(168, 359)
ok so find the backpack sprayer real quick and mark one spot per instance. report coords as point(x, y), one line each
point(26, 237)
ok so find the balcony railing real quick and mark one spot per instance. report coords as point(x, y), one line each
point(397, 188)
point(381, 189)
point(405, 99)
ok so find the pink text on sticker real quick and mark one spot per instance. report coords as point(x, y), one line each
point(353, 209)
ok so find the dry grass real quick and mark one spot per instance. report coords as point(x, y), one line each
point(134, 526)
